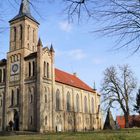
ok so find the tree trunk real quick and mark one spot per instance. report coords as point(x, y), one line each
point(126, 120)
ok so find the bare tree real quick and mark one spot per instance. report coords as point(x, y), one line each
point(119, 17)
point(118, 89)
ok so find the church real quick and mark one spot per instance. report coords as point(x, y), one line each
point(36, 96)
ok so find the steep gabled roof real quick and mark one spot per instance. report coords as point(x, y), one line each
point(109, 122)
point(71, 80)
point(24, 11)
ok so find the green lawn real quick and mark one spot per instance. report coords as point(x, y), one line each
point(130, 134)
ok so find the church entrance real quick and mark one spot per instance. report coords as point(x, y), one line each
point(16, 120)
point(58, 124)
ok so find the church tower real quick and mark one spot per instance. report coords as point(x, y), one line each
point(23, 30)
point(36, 96)
point(23, 41)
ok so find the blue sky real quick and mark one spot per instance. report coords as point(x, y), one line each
point(77, 49)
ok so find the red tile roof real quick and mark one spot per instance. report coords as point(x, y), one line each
point(71, 80)
point(134, 120)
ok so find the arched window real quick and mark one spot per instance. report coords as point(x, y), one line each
point(77, 103)
point(29, 69)
point(21, 32)
point(46, 120)
point(17, 96)
point(0, 102)
point(28, 32)
point(85, 103)
point(28, 46)
point(0, 75)
point(92, 105)
point(15, 58)
point(0, 122)
point(33, 36)
point(12, 98)
point(33, 68)
point(44, 69)
point(68, 102)
point(15, 33)
point(47, 70)
point(45, 98)
point(57, 100)
point(31, 120)
point(47, 93)
point(4, 75)
point(31, 98)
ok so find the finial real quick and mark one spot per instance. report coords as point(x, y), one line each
point(94, 86)
point(51, 48)
point(24, 7)
point(39, 42)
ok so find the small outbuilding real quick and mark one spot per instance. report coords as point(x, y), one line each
point(134, 121)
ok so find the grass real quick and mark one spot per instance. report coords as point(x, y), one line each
point(128, 134)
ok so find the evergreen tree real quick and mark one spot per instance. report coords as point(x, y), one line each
point(137, 106)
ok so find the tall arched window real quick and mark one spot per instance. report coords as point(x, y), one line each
point(46, 120)
point(45, 98)
point(28, 32)
point(12, 98)
point(33, 48)
point(44, 69)
point(0, 75)
point(4, 75)
point(57, 100)
point(28, 46)
point(85, 103)
point(77, 103)
point(92, 105)
point(17, 96)
point(68, 102)
point(29, 69)
point(0, 102)
point(33, 68)
point(21, 30)
point(15, 33)
point(33, 36)
point(31, 98)
point(47, 70)
point(0, 122)
point(31, 120)
point(45, 91)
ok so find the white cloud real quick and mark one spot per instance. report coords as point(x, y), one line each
point(65, 26)
point(76, 54)
point(97, 61)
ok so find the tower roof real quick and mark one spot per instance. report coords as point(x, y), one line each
point(51, 48)
point(24, 11)
point(39, 42)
